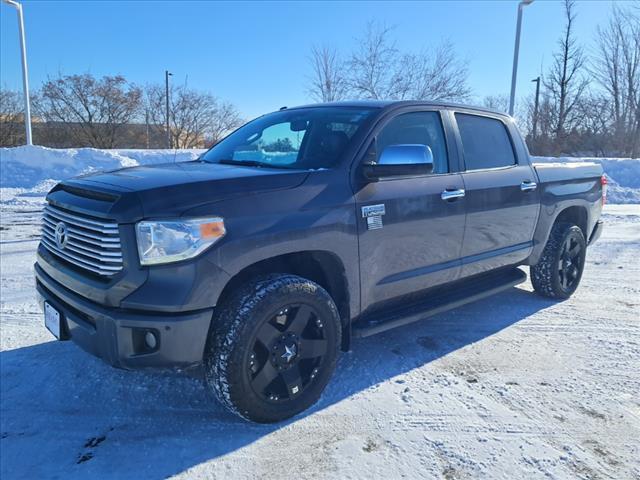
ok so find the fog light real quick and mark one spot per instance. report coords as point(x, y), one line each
point(150, 340)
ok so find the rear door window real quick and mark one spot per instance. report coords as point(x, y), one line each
point(485, 142)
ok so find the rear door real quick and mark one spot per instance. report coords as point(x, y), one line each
point(415, 240)
point(502, 199)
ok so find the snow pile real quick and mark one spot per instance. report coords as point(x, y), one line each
point(623, 175)
point(28, 167)
point(38, 168)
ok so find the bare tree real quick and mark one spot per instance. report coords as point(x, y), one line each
point(93, 110)
point(499, 103)
point(616, 68)
point(328, 82)
point(195, 118)
point(377, 69)
point(189, 113)
point(371, 67)
point(11, 118)
point(431, 75)
point(595, 133)
point(565, 82)
point(226, 118)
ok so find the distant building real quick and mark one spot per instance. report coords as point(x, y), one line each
point(71, 135)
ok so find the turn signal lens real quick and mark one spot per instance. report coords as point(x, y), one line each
point(212, 230)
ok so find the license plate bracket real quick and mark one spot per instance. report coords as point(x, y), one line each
point(52, 320)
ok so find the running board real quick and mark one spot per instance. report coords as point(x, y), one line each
point(457, 294)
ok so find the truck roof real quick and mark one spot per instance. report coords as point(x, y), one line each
point(391, 104)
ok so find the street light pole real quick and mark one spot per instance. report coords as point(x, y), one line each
point(167, 74)
point(25, 75)
point(535, 107)
point(516, 50)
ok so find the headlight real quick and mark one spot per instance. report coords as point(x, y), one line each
point(172, 241)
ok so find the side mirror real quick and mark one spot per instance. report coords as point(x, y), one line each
point(401, 160)
point(298, 125)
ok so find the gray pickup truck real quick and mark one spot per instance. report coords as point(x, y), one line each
point(261, 260)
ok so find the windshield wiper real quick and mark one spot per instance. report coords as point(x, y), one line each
point(244, 163)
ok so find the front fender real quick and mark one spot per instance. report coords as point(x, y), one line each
point(316, 216)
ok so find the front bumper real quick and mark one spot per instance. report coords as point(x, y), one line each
point(117, 335)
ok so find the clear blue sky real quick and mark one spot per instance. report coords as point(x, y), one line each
point(256, 54)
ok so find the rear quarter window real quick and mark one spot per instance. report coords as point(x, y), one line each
point(485, 142)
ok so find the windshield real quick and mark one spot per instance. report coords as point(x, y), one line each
point(307, 138)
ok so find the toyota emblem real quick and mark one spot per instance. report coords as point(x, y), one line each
point(62, 237)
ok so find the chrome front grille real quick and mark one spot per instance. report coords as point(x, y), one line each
point(87, 242)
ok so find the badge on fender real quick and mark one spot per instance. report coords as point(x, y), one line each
point(373, 210)
point(373, 214)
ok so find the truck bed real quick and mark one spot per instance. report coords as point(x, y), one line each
point(567, 172)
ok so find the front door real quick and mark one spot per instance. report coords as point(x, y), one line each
point(410, 238)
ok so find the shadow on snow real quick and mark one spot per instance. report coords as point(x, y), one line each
point(66, 413)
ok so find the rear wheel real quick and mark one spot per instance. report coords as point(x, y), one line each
point(273, 348)
point(558, 273)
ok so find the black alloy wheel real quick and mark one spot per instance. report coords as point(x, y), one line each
point(570, 263)
point(287, 353)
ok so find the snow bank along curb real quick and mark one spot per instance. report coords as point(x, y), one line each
point(36, 169)
point(26, 167)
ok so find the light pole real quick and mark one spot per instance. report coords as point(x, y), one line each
point(25, 76)
point(535, 106)
point(167, 74)
point(516, 50)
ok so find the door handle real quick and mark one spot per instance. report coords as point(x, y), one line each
point(450, 194)
point(528, 186)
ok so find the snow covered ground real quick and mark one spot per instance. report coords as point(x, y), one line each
point(514, 386)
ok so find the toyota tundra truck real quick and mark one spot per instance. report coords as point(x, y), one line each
point(259, 262)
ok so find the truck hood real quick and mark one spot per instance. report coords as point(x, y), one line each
point(169, 189)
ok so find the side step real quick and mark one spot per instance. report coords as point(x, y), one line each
point(455, 295)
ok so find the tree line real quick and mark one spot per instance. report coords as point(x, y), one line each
point(588, 102)
point(110, 112)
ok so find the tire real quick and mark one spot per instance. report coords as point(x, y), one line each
point(273, 348)
point(558, 273)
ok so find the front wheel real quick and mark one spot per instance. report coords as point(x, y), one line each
point(558, 273)
point(273, 348)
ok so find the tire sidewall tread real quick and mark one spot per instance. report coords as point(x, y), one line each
point(545, 280)
point(234, 325)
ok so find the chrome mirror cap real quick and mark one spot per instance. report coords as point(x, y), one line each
point(407, 154)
